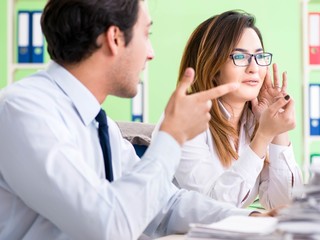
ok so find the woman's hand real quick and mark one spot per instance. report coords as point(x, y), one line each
point(278, 118)
point(271, 213)
point(269, 92)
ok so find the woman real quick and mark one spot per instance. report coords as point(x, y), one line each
point(246, 151)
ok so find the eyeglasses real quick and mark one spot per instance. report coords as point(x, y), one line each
point(244, 59)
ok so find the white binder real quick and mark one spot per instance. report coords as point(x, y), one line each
point(24, 51)
point(137, 105)
point(314, 109)
point(37, 38)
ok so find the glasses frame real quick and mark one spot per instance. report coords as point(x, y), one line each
point(250, 58)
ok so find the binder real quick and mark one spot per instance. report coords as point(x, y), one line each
point(314, 109)
point(137, 105)
point(37, 38)
point(315, 158)
point(314, 37)
point(24, 37)
point(314, 164)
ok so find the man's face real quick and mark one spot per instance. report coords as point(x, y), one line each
point(135, 55)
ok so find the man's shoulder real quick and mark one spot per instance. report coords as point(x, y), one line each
point(36, 89)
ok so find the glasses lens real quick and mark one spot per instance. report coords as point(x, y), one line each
point(263, 59)
point(240, 59)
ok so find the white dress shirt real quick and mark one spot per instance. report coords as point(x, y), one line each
point(201, 170)
point(52, 180)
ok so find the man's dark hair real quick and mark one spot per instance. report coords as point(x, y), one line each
point(71, 27)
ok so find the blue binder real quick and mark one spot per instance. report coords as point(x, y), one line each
point(314, 109)
point(37, 38)
point(24, 37)
point(137, 105)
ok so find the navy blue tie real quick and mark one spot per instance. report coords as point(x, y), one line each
point(101, 118)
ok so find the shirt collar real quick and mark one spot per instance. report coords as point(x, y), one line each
point(84, 101)
point(227, 115)
point(224, 110)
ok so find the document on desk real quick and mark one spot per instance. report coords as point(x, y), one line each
point(235, 227)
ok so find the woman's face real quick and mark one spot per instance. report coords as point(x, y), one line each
point(250, 77)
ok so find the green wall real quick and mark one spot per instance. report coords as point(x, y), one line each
point(174, 20)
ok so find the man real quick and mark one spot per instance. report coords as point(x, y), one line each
point(52, 176)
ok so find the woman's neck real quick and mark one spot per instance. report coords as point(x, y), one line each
point(235, 110)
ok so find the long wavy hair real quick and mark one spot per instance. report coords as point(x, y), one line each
point(207, 50)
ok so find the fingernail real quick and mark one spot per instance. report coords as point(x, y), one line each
point(287, 97)
point(188, 72)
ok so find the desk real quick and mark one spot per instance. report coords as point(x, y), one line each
point(173, 237)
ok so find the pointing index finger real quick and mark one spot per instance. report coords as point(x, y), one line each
point(186, 81)
point(219, 91)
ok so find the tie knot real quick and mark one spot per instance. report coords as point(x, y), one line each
point(101, 118)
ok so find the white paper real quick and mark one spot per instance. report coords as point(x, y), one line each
point(244, 224)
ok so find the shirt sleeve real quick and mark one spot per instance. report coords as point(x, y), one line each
point(43, 166)
point(201, 170)
point(176, 216)
point(279, 177)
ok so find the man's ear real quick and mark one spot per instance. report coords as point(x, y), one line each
point(115, 39)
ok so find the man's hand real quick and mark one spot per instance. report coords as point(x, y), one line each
point(188, 115)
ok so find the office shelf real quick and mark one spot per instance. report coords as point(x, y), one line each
point(306, 7)
point(13, 66)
